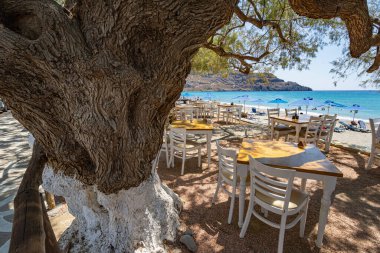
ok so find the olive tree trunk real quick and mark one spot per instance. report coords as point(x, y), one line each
point(94, 83)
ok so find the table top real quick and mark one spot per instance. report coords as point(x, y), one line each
point(288, 156)
point(193, 125)
point(229, 106)
point(303, 119)
point(179, 107)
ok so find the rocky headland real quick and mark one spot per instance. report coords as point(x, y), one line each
point(240, 82)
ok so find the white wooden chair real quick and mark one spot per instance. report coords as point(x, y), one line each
point(327, 129)
point(210, 110)
point(279, 130)
point(227, 175)
point(291, 112)
point(165, 148)
point(375, 147)
point(186, 113)
point(183, 148)
point(310, 134)
point(277, 197)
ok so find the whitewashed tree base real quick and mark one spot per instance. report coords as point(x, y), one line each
point(134, 220)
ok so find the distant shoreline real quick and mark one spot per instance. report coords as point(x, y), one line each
point(366, 99)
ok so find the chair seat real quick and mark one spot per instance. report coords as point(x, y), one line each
point(283, 128)
point(296, 199)
point(189, 144)
point(302, 134)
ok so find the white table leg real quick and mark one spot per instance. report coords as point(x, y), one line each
point(209, 148)
point(329, 184)
point(242, 170)
point(303, 184)
point(272, 122)
point(298, 129)
point(218, 113)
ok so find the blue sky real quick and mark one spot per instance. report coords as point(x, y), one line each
point(317, 76)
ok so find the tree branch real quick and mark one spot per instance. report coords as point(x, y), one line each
point(260, 23)
point(241, 58)
point(354, 14)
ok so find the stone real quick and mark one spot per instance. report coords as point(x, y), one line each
point(189, 242)
point(188, 232)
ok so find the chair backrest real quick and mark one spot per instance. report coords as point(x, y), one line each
point(313, 127)
point(187, 113)
point(227, 163)
point(178, 138)
point(362, 125)
point(375, 130)
point(328, 124)
point(254, 110)
point(237, 109)
point(291, 112)
point(265, 181)
point(273, 112)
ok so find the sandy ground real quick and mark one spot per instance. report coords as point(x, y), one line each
point(354, 219)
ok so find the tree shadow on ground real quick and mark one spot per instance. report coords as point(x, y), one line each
point(354, 224)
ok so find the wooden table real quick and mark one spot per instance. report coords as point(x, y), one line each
point(225, 106)
point(309, 163)
point(303, 121)
point(197, 127)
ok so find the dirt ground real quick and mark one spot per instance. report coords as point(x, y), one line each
point(354, 218)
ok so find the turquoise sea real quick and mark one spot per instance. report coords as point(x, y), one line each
point(368, 99)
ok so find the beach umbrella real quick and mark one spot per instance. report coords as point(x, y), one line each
point(258, 102)
point(308, 101)
point(277, 101)
point(355, 108)
point(330, 103)
point(208, 96)
point(242, 98)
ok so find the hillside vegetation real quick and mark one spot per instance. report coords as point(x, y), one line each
point(238, 81)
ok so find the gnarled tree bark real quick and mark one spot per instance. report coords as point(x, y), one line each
point(94, 84)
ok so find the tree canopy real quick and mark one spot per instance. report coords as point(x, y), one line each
point(266, 35)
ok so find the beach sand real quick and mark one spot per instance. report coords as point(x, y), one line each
point(351, 139)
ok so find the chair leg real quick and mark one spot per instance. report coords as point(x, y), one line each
point(183, 163)
point(282, 234)
point(232, 204)
point(303, 184)
point(167, 156)
point(277, 136)
point(217, 189)
point(371, 158)
point(303, 220)
point(172, 158)
point(199, 156)
point(247, 217)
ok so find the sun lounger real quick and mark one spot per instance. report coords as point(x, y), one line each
point(363, 127)
point(349, 127)
point(339, 129)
